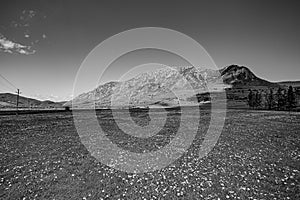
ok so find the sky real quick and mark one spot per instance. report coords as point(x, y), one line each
point(43, 43)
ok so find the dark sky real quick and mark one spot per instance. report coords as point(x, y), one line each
point(262, 35)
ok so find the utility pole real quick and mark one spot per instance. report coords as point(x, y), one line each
point(18, 92)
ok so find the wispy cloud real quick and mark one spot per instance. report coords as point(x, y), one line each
point(22, 25)
point(9, 46)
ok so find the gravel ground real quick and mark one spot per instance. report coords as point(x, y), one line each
point(256, 157)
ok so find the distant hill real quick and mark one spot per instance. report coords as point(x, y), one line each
point(154, 88)
point(295, 84)
point(8, 100)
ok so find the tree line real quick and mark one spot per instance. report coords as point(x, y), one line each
point(281, 99)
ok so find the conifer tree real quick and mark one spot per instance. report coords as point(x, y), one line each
point(257, 99)
point(280, 99)
point(251, 99)
point(270, 100)
point(291, 99)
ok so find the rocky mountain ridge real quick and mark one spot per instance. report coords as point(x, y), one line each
point(165, 86)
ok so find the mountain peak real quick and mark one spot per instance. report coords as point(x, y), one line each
point(237, 75)
point(158, 86)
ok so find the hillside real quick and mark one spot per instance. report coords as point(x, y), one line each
point(239, 76)
point(146, 89)
point(294, 84)
point(8, 100)
point(157, 87)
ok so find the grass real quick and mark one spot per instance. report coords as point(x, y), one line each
point(256, 157)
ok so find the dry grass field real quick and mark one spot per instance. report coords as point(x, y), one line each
point(256, 157)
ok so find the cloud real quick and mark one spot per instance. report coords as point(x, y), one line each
point(23, 28)
point(9, 46)
point(27, 15)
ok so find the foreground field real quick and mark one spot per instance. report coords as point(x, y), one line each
point(256, 157)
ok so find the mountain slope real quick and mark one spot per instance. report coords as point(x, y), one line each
point(145, 89)
point(294, 84)
point(8, 100)
point(242, 76)
point(158, 87)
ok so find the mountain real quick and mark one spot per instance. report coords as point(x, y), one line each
point(157, 88)
point(294, 84)
point(145, 89)
point(238, 76)
point(8, 100)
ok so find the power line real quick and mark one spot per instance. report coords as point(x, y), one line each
point(18, 91)
point(6, 86)
point(8, 82)
point(3, 90)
